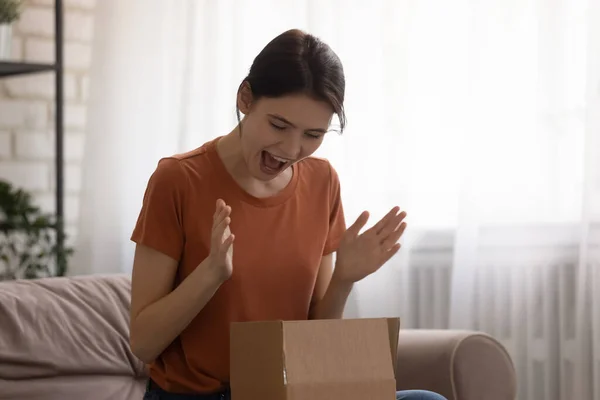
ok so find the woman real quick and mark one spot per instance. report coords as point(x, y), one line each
point(258, 187)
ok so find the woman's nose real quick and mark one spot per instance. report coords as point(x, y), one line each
point(292, 147)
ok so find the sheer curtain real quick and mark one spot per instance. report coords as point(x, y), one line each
point(481, 119)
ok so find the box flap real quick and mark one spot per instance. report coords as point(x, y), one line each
point(337, 351)
point(256, 360)
point(394, 331)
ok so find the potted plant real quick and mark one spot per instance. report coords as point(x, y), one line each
point(28, 245)
point(10, 10)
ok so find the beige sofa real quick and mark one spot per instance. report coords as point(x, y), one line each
point(67, 338)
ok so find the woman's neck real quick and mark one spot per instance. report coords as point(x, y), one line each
point(229, 148)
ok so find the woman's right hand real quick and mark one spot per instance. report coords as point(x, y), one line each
point(153, 297)
point(221, 249)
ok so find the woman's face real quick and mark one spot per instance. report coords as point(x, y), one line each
point(278, 132)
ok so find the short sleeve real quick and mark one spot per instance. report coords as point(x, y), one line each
point(337, 221)
point(160, 222)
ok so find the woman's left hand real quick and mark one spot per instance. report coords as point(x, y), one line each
point(361, 254)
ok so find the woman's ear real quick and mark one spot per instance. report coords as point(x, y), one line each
point(244, 98)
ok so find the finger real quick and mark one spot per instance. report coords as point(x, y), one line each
point(385, 257)
point(218, 207)
point(223, 213)
point(383, 221)
point(392, 225)
point(219, 230)
point(389, 241)
point(227, 243)
point(360, 222)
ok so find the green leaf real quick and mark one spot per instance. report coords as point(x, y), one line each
point(28, 236)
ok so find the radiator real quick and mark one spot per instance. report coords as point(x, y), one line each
point(527, 286)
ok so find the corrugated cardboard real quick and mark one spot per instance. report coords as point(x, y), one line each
point(345, 359)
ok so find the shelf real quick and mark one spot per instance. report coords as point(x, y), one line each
point(12, 68)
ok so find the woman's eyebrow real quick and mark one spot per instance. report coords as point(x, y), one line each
point(280, 118)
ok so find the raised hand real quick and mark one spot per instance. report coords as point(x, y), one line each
point(359, 255)
point(221, 249)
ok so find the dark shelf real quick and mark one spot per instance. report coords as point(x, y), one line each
point(9, 68)
point(16, 68)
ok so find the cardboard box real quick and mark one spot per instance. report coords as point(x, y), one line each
point(345, 359)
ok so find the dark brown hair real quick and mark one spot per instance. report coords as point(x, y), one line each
point(297, 62)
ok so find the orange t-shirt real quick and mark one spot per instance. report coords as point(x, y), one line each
point(279, 242)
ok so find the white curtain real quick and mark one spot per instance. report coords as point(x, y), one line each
point(480, 118)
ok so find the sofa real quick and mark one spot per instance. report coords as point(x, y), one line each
point(67, 338)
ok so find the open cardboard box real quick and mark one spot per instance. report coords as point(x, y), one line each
point(345, 359)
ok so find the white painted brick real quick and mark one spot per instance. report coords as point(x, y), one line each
point(86, 4)
point(69, 86)
point(41, 2)
point(27, 175)
point(71, 240)
point(34, 145)
point(73, 178)
point(77, 56)
point(79, 26)
point(83, 4)
point(41, 85)
point(75, 116)
point(46, 201)
point(27, 146)
point(84, 87)
point(39, 145)
point(23, 114)
point(74, 146)
point(16, 52)
point(36, 21)
point(39, 50)
point(71, 209)
point(5, 144)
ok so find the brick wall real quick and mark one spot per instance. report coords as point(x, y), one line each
point(27, 104)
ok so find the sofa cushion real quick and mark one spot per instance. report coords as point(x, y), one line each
point(79, 387)
point(66, 326)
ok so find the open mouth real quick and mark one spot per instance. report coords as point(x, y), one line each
point(272, 164)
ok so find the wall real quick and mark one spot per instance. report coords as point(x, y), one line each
point(27, 104)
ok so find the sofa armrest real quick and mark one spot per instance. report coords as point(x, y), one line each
point(460, 365)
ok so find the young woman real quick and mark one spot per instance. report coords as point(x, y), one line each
point(243, 228)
